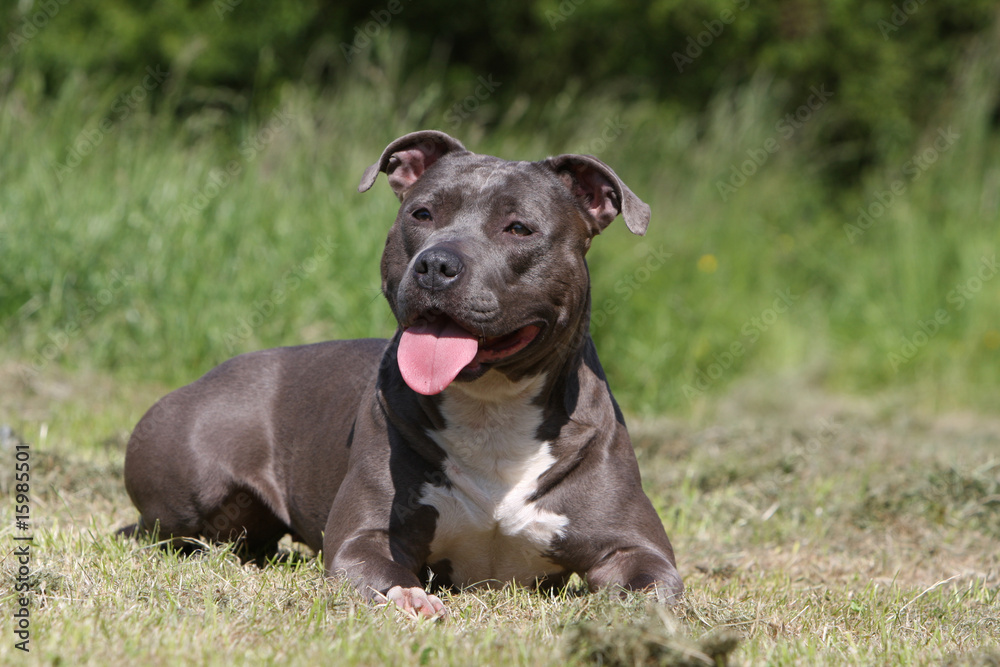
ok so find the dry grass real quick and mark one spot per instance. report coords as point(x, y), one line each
point(808, 529)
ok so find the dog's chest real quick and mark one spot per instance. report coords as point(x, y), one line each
point(488, 527)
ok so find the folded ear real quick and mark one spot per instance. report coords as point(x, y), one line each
point(407, 158)
point(600, 191)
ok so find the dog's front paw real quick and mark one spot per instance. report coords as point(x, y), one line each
point(417, 602)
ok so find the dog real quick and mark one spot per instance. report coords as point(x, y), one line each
point(480, 446)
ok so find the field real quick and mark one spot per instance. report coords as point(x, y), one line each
point(809, 530)
point(157, 248)
point(810, 380)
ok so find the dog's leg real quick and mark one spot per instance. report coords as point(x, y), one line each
point(638, 569)
point(366, 560)
point(192, 478)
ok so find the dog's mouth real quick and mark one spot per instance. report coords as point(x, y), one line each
point(433, 352)
point(497, 348)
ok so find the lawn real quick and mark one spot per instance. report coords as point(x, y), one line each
point(810, 378)
point(174, 244)
point(809, 529)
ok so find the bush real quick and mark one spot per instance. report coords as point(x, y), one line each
point(888, 66)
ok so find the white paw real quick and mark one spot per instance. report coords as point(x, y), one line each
point(416, 602)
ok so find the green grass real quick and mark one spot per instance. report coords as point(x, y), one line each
point(147, 262)
point(812, 529)
point(809, 531)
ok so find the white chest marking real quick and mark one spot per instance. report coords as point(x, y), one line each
point(487, 528)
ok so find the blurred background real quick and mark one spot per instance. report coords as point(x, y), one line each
point(178, 181)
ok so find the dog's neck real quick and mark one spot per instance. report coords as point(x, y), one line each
point(491, 422)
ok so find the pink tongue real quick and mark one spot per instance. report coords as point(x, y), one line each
point(431, 355)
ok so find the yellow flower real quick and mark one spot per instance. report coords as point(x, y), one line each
point(708, 263)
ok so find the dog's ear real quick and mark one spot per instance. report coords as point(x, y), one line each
point(600, 191)
point(407, 158)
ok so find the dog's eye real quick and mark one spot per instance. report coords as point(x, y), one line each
point(518, 229)
point(421, 214)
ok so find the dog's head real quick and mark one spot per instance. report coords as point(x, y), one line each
point(484, 267)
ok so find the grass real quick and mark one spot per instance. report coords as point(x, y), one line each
point(808, 529)
point(177, 243)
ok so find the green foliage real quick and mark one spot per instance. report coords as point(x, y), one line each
point(888, 64)
point(215, 43)
point(158, 245)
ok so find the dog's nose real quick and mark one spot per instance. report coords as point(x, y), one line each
point(437, 268)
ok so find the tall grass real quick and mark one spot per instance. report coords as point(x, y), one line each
point(149, 261)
